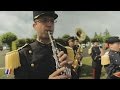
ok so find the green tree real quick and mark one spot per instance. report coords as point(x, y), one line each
point(20, 42)
point(8, 38)
point(95, 35)
point(65, 37)
point(86, 40)
point(106, 35)
point(29, 40)
point(98, 37)
point(60, 40)
point(34, 36)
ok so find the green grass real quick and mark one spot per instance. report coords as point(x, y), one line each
point(86, 72)
point(1, 72)
point(2, 58)
point(2, 62)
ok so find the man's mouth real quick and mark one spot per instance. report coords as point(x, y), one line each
point(49, 31)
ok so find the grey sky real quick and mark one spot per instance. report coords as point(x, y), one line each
point(20, 22)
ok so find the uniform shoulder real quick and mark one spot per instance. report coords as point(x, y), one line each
point(24, 46)
point(12, 58)
point(67, 47)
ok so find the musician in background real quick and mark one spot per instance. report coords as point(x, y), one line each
point(78, 50)
point(35, 60)
point(96, 53)
point(74, 54)
point(105, 58)
point(113, 69)
point(79, 54)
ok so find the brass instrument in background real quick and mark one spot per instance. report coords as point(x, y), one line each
point(81, 35)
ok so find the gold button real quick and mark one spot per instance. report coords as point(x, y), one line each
point(32, 65)
point(30, 51)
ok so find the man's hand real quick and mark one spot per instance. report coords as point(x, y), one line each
point(117, 74)
point(57, 74)
point(64, 61)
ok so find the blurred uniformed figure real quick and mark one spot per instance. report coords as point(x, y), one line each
point(74, 55)
point(113, 68)
point(35, 60)
point(78, 49)
point(105, 61)
point(96, 53)
point(78, 54)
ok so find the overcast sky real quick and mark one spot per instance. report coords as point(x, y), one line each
point(20, 22)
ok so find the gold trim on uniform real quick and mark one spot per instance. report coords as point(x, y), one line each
point(32, 65)
point(105, 60)
point(71, 55)
point(12, 60)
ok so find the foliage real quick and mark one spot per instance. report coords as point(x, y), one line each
point(8, 38)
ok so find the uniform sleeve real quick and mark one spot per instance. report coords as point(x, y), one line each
point(21, 72)
point(74, 74)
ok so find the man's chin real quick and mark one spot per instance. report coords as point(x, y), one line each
point(46, 37)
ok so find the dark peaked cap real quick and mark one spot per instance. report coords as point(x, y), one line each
point(113, 39)
point(95, 40)
point(37, 14)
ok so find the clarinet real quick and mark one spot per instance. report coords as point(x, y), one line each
point(55, 52)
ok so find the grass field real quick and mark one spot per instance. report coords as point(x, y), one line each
point(85, 74)
point(2, 62)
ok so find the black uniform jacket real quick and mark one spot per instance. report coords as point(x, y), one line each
point(37, 62)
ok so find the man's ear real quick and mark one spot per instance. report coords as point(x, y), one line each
point(110, 45)
point(34, 24)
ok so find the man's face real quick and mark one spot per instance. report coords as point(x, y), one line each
point(71, 43)
point(43, 25)
point(115, 46)
point(96, 43)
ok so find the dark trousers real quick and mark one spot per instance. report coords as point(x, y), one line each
point(97, 67)
point(79, 71)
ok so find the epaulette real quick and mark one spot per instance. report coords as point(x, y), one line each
point(105, 60)
point(12, 61)
point(90, 50)
point(71, 55)
point(70, 52)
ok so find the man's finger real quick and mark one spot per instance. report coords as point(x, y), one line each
point(70, 62)
point(63, 63)
point(57, 72)
point(61, 77)
point(63, 57)
point(60, 54)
